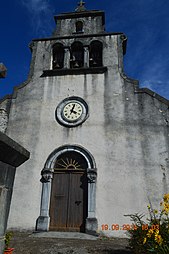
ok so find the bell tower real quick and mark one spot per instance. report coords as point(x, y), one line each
point(80, 45)
point(75, 42)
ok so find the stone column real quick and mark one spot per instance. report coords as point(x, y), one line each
point(86, 56)
point(91, 221)
point(12, 155)
point(43, 220)
point(66, 58)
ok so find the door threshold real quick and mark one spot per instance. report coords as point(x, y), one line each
point(66, 235)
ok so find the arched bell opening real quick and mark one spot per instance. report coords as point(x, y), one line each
point(95, 54)
point(68, 191)
point(58, 56)
point(77, 55)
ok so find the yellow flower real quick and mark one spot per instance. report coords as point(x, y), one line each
point(144, 241)
point(148, 206)
point(158, 239)
point(166, 197)
point(165, 208)
point(155, 211)
point(149, 233)
point(156, 232)
point(166, 205)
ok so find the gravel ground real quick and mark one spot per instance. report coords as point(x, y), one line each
point(29, 244)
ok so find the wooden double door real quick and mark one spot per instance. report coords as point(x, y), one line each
point(68, 205)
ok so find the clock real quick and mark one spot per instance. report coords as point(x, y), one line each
point(72, 111)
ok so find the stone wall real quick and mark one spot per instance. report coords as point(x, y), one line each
point(4, 120)
point(4, 113)
point(93, 22)
point(12, 155)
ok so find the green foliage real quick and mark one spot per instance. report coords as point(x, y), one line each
point(8, 237)
point(151, 236)
point(163, 250)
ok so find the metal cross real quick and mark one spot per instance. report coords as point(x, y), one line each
point(80, 6)
point(81, 3)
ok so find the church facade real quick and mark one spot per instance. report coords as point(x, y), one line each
point(98, 143)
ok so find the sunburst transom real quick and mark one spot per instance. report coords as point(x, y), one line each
point(67, 163)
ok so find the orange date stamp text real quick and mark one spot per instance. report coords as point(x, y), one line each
point(128, 227)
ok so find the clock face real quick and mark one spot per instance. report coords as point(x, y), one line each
point(72, 111)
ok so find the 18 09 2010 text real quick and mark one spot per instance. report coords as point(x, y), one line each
point(128, 227)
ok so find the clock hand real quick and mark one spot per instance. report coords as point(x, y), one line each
point(74, 112)
point(71, 111)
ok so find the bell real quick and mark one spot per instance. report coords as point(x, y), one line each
point(94, 63)
point(57, 65)
point(76, 65)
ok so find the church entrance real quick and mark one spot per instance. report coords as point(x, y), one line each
point(68, 200)
point(69, 193)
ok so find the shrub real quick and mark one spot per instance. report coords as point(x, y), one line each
point(151, 236)
point(8, 237)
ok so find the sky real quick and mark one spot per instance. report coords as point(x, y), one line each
point(144, 22)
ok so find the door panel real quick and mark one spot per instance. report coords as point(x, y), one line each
point(59, 197)
point(68, 208)
point(75, 208)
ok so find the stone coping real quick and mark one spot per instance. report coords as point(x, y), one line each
point(11, 152)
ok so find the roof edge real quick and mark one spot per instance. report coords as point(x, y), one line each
point(77, 36)
point(93, 13)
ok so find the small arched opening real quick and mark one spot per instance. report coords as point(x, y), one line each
point(77, 55)
point(58, 56)
point(95, 54)
point(79, 27)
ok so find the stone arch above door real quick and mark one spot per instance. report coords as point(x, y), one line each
point(43, 220)
point(76, 148)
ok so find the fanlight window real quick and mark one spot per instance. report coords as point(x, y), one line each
point(95, 57)
point(77, 55)
point(58, 56)
point(79, 27)
point(70, 161)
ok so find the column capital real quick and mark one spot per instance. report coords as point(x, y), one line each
point(47, 175)
point(92, 175)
